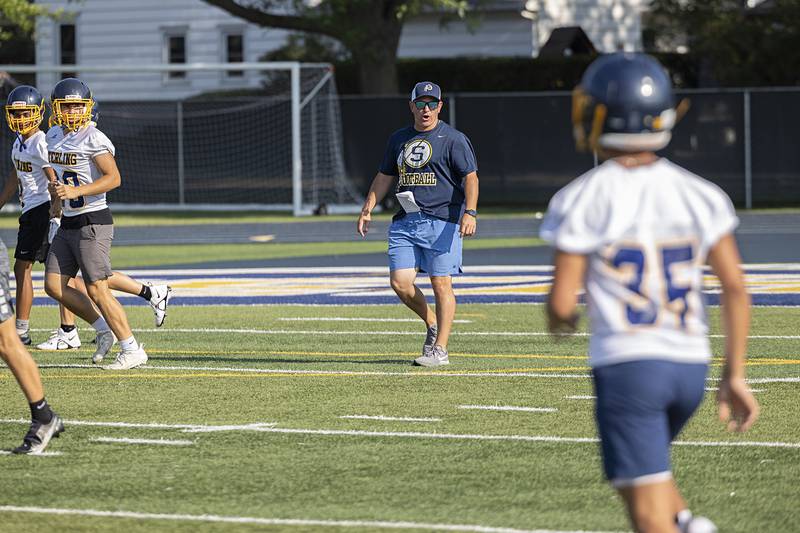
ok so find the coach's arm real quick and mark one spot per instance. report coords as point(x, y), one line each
point(380, 186)
point(468, 222)
point(109, 180)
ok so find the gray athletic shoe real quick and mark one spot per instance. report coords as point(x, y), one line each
point(437, 357)
point(39, 435)
point(105, 340)
point(127, 359)
point(430, 340)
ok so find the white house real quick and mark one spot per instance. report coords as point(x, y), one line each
point(122, 32)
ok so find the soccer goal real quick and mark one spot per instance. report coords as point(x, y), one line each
point(226, 136)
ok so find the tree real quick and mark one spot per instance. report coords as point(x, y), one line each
point(368, 29)
point(735, 44)
point(22, 15)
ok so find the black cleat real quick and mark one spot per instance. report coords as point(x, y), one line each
point(39, 435)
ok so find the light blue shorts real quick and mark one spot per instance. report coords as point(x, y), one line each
point(425, 243)
point(641, 407)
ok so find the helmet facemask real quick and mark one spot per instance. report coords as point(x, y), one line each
point(69, 119)
point(20, 122)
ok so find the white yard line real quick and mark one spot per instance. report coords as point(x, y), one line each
point(715, 389)
point(442, 374)
point(523, 438)
point(421, 435)
point(390, 418)
point(509, 408)
point(336, 372)
point(258, 331)
point(185, 428)
point(42, 454)
point(299, 522)
point(587, 397)
point(162, 442)
point(354, 319)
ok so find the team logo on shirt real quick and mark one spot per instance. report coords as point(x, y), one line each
point(63, 158)
point(417, 153)
point(23, 166)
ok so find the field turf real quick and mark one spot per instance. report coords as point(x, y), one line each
point(214, 372)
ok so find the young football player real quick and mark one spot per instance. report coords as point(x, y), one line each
point(158, 296)
point(29, 155)
point(85, 170)
point(24, 110)
point(636, 232)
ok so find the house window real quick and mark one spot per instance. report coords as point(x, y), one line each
point(234, 52)
point(66, 47)
point(176, 54)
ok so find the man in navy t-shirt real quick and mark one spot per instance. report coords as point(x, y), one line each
point(437, 188)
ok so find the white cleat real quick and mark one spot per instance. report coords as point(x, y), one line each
point(105, 340)
point(61, 340)
point(127, 359)
point(159, 300)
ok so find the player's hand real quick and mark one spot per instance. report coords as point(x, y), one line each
point(737, 405)
point(362, 227)
point(65, 192)
point(468, 225)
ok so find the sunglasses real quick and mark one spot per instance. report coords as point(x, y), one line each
point(431, 105)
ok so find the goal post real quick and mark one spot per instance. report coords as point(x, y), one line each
point(217, 136)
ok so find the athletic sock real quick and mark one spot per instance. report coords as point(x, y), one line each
point(129, 343)
point(145, 293)
point(40, 411)
point(100, 324)
point(23, 326)
point(66, 328)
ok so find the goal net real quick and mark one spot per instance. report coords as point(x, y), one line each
point(216, 137)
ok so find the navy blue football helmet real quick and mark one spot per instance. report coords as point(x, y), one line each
point(65, 95)
point(95, 111)
point(624, 102)
point(24, 109)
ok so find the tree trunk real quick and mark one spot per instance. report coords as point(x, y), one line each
point(377, 73)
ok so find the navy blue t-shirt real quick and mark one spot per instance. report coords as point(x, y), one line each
point(431, 164)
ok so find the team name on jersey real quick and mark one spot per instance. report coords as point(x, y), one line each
point(424, 179)
point(23, 166)
point(63, 158)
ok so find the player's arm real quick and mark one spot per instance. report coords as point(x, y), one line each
point(55, 202)
point(381, 185)
point(737, 406)
point(9, 188)
point(468, 222)
point(568, 275)
point(109, 180)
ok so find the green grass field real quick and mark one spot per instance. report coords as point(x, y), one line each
point(234, 366)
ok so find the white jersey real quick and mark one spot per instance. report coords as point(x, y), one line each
point(646, 232)
point(30, 159)
point(71, 154)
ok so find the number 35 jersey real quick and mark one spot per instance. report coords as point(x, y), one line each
point(646, 232)
point(72, 156)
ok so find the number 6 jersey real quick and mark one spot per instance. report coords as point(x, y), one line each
point(646, 232)
point(71, 155)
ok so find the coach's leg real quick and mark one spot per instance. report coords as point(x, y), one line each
point(445, 307)
point(402, 282)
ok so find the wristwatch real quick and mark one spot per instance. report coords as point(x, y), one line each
point(471, 212)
